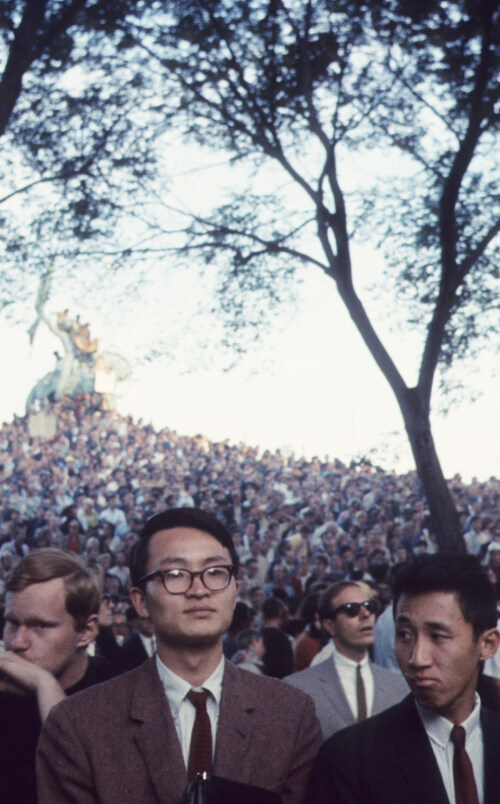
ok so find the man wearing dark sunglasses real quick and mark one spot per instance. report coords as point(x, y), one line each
point(186, 709)
point(347, 687)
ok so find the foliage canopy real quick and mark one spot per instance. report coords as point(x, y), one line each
point(383, 118)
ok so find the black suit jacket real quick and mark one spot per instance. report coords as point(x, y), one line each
point(133, 652)
point(388, 758)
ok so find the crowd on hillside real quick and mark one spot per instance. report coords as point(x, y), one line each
point(91, 485)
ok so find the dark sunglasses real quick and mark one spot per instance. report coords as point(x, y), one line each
point(352, 609)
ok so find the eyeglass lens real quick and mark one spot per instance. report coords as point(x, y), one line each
point(178, 581)
point(353, 609)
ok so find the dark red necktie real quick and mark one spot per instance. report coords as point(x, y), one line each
point(200, 750)
point(463, 774)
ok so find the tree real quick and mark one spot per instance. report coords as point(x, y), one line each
point(73, 161)
point(303, 86)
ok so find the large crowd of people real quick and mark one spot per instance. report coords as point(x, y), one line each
point(317, 543)
point(296, 523)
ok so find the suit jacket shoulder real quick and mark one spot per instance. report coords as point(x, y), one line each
point(387, 758)
point(113, 742)
point(490, 722)
point(323, 684)
point(118, 742)
point(268, 734)
point(389, 688)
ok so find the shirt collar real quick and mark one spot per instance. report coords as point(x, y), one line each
point(176, 688)
point(342, 660)
point(439, 728)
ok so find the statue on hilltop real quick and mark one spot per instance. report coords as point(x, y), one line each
point(81, 368)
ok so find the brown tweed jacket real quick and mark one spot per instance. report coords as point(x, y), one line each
point(116, 742)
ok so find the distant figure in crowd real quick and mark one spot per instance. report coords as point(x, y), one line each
point(347, 687)
point(250, 651)
point(278, 656)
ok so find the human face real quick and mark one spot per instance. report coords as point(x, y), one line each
point(329, 542)
point(257, 598)
point(279, 574)
point(39, 629)
point(198, 617)
point(437, 653)
point(352, 635)
point(320, 568)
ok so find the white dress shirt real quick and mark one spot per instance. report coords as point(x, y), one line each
point(347, 670)
point(149, 644)
point(438, 730)
point(183, 711)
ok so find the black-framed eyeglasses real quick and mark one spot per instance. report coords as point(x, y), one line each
point(180, 581)
point(352, 609)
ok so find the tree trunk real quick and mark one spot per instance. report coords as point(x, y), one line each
point(415, 408)
point(444, 516)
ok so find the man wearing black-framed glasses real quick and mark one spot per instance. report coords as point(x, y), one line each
point(347, 687)
point(186, 709)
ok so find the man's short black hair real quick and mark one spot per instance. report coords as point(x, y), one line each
point(178, 518)
point(450, 572)
point(272, 608)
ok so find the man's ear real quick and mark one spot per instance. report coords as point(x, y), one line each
point(139, 602)
point(488, 643)
point(88, 633)
point(328, 625)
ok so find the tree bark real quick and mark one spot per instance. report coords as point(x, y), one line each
point(445, 518)
point(21, 55)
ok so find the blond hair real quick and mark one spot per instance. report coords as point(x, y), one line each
point(83, 595)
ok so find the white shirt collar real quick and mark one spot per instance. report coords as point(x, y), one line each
point(176, 688)
point(342, 660)
point(439, 728)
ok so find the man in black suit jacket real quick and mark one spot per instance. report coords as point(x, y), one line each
point(445, 612)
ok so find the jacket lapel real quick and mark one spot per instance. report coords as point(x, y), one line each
point(378, 693)
point(490, 722)
point(331, 687)
point(235, 727)
point(156, 735)
point(415, 757)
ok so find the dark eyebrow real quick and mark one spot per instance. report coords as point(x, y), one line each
point(433, 625)
point(437, 626)
point(181, 562)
